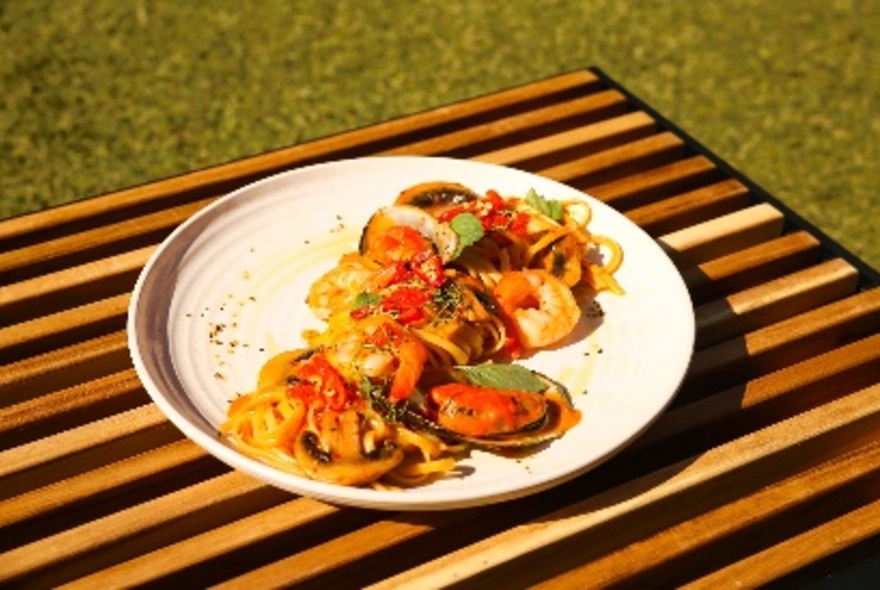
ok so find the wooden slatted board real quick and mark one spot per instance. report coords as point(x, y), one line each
point(766, 468)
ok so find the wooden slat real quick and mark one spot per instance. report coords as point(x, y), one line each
point(797, 552)
point(774, 300)
point(214, 543)
point(69, 287)
point(587, 139)
point(656, 183)
point(77, 440)
point(751, 266)
point(340, 551)
point(62, 328)
point(517, 127)
point(64, 367)
point(121, 532)
point(783, 343)
point(79, 488)
point(691, 208)
point(67, 408)
point(94, 244)
point(616, 162)
point(40, 462)
point(675, 555)
point(723, 235)
point(769, 398)
point(693, 485)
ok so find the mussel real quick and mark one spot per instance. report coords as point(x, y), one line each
point(486, 417)
point(437, 196)
point(443, 237)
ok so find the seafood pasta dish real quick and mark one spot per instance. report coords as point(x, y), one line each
point(416, 362)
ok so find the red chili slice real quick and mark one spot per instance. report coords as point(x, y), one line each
point(407, 303)
point(322, 384)
point(429, 268)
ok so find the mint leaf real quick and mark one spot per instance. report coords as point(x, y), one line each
point(363, 299)
point(469, 229)
point(503, 376)
point(549, 207)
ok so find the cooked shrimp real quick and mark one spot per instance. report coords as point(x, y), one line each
point(379, 349)
point(540, 306)
point(397, 244)
point(338, 288)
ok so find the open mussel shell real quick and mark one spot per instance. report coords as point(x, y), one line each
point(560, 416)
point(435, 197)
point(443, 237)
point(554, 387)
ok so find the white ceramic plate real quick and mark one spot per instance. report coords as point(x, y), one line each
point(226, 291)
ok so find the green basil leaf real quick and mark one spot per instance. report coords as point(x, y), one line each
point(503, 376)
point(549, 207)
point(469, 229)
point(365, 298)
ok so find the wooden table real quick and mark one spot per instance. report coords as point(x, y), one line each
point(766, 467)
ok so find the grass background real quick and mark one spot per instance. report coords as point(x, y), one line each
point(99, 95)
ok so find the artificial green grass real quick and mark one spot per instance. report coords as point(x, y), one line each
point(98, 95)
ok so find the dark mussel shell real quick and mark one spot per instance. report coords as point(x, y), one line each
point(444, 239)
point(560, 417)
point(436, 196)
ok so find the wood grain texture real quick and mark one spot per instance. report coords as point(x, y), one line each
point(751, 266)
point(119, 532)
point(723, 235)
point(63, 328)
point(691, 208)
point(774, 300)
point(748, 523)
point(94, 244)
point(594, 137)
point(42, 453)
point(75, 490)
point(777, 345)
point(691, 485)
point(766, 399)
point(656, 183)
point(797, 552)
point(616, 162)
point(216, 542)
point(73, 286)
point(67, 408)
point(517, 128)
point(64, 367)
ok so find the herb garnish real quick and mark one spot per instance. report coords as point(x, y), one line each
point(503, 376)
point(469, 229)
point(447, 300)
point(549, 207)
point(365, 298)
